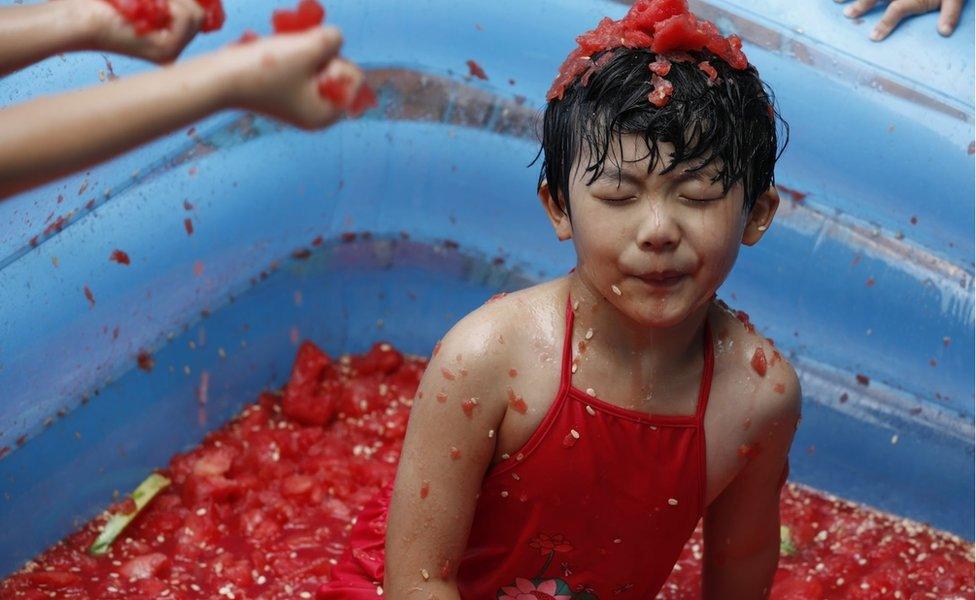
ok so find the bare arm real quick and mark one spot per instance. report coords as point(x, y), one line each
point(445, 455)
point(34, 32)
point(47, 138)
point(742, 525)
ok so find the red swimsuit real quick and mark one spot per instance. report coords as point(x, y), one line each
point(597, 504)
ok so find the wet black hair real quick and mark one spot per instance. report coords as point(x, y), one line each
point(731, 123)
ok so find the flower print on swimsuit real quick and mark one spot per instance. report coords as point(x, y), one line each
point(541, 586)
point(534, 589)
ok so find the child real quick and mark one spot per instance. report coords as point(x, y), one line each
point(48, 138)
point(557, 444)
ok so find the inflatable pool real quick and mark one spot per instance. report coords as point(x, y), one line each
point(246, 236)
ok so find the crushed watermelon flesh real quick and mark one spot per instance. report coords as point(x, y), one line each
point(262, 508)
point(153, 15)
point(661, 26)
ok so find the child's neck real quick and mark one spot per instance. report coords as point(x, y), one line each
point(664, 351)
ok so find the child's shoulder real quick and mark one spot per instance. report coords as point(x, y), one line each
point(746, 356)
point(508, 329)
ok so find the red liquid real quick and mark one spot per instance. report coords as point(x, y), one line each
point(261, 508)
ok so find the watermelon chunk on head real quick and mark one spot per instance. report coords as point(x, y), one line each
point(644, 14)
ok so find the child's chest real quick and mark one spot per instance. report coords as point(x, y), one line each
point(726, 422)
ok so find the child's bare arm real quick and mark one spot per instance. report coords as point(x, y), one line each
point(32, 33)
point(742, 536)
point(448, 447)
point(47, 138)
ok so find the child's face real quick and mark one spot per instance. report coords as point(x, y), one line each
point(627, 231)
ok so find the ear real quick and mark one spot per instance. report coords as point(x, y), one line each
point(761, 216)
point(560, 221)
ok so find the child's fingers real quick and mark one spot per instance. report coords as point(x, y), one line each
point(317, 113)
point(951, 9)
point(197, 15)
point(897, 11)
point(328, 41)
point(166, 45)
point(859, 8)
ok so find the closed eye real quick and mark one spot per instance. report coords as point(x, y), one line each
point(702, 200)
point(617, 200)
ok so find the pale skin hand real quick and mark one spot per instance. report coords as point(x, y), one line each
point(32, 33)
point(899, 10)
point(48, 138)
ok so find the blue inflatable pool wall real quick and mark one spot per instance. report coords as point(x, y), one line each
point(394, 226)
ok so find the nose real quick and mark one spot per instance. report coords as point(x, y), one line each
point(658, 230)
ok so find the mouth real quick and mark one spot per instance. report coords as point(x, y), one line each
point(662, 279)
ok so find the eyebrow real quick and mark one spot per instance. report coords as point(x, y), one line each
point(614, 174)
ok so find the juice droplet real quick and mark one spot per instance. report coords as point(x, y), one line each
point(516, 402)
point(759, 362)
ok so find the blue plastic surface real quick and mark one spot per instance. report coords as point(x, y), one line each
point(437, 177)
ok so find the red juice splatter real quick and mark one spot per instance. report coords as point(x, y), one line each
point(89, 296)
point(424, 489)
point(759, 362)
point(862, 379)
point(795, 195)
point(516, 402)
point(475, 70)
point(145, 361)
point(188, 226)
point(513, 373)
point(455, 453)
point(120, 257)
point(447, 375)
point(468, 406)
point(779, 388)
point(441, 397)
